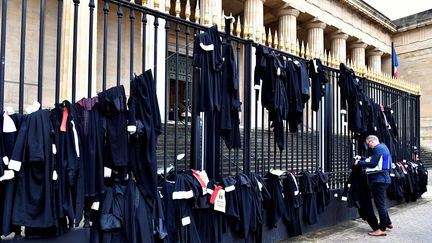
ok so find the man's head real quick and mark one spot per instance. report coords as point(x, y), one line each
point(372, 141)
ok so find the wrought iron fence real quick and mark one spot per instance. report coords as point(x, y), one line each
point(323, 140)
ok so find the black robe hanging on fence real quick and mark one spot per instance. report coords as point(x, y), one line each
point(8, 186)
point(69, 163)
point(113, 107)
point(91, 125)
point(230, 103)
point(316, 73)
point(308, 189)
point(33, 155)
point(293, 202)
point(276, 205)
point(145, 117)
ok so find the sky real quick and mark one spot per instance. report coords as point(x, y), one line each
point(395, 9)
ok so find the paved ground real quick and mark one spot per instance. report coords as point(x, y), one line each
point(412, 223)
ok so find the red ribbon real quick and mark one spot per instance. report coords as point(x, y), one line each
point(64, 120)
point(198, 177)
point(215, 192)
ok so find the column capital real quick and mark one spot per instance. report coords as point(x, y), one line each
point(315, 24)
point(374, 52)
point(288, 11)
point(358, 44)
point(338, 35)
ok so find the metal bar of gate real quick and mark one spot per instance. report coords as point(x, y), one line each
point(58, 49)
point(132, 37)
point(3, 52)
point(105, 45)
point(22, 55)
point(167, 27)
point(74, 49)
point(119, 39)
point(90, 55)
point(41, 48)
point(187, 33)
point(247, 106)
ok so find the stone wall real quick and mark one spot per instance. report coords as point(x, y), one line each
point(414, 52)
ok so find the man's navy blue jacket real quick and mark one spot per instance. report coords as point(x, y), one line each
point(378, 176)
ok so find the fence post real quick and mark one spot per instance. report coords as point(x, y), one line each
point(247, 106)
point(195, 130)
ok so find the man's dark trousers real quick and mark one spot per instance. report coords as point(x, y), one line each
point(379, 196)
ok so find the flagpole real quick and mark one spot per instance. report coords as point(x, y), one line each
point(392, 55)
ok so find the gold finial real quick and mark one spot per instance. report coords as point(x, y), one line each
point(238, 27)
point(325, 58)
point(156, 4)
point(335, 64)
point(297, 48)
point(144, 3)
point(276, 40)
point(167, 6)
point(308, 54)
point(282, 43)
point(258, 35)
point(268, 41)
point(177, 8)
point(223, 21)
point(188, 10)
point(231, 24)
point(302, 50)
point(197, 13)
point(263, 36)
point(215, 20)
point(206, 18)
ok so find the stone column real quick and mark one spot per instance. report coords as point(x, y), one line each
point(288, 24)
point(374, 60)
point(358, 53)
point(254, 16)
point(316, 36)
point(82, 50)
point(338, 46)
point(386, 64)
point(211, 11)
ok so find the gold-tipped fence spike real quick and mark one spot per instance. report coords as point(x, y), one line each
point(231, 24)
point(297, 48)
point(281, 43)
point(258, 36)
point(197, 14)
point(268, 40)
point(302, 50)
point(325, 58)
point(177, 8)
point(238, 26)
point(223, 21)
point(307, 51)
point(288, 46)
point(144, 3)
point(167, 6)
point(263, 36)
point(215, 20)
point(276, 41)
point(188, 10)
point(156, 4)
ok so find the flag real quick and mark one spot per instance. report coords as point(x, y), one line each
point(395, 64)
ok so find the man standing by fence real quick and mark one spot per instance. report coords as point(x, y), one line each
point(377, 170)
